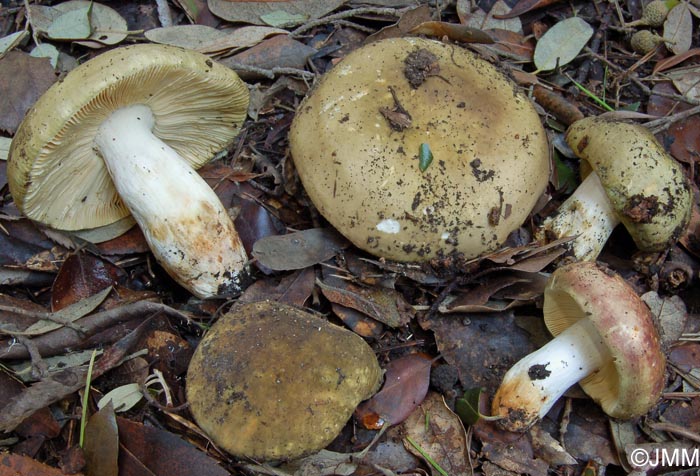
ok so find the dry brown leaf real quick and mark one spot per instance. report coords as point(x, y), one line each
point(384, 305)
point(678, 29)
point(439, 433)
point(299, 249)
point(23, 79)
point(453, 31)
point(405, 386)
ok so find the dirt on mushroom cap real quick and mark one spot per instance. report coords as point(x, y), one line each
point(270, 381)
point(647, 187)
point(360, 165)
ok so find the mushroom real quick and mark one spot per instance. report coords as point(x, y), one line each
point(605, 340)
point(122, 134)
point(633, 181)
point(272, 382)
point(415, 149)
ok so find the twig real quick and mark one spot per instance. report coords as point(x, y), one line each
point(270, 73)
point(347, 14)
point(39, 367)
point(663, 123)
point(56, 341)
point(676, 430)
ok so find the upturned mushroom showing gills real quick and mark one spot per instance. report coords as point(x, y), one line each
point(415, 149)
point(628, 178)
point(122, 134)
point(605, 340)
point(272, 382)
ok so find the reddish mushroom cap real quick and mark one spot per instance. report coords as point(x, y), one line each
point(630, 383)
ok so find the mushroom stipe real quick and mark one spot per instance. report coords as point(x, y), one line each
point(605, 339)
point(121, 135)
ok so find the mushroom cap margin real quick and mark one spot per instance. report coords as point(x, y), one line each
point(364, 177)
point(270, 381)
point(631, 382)
point(73, 191)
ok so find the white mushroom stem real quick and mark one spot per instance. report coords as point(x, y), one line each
point(586, 214)
point(532, 386)
point(185, 224)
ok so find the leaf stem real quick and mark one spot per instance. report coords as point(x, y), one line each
point(86, 395)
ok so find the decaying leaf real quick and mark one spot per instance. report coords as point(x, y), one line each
point(185, 36)
point(482, 347)
point(494, 19)
point(562, 43)
point(82, 275)
point(101, 446)
point(253, 12)
point(299, 249)
point(384, 305)
point(488, 295)
point(10, 41)
point(292, 289)
point(65, 317)
point(71, 25)
point(434, 430)
point(150, 450)
point(525, 6)
point(409, 20)
point(122, 398)
point(455, 32)
point(671, 315)
point(678, 29)
point(61, 384)
point(23, 80)
point(405, 386)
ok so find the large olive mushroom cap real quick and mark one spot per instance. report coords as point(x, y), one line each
point(631, 380)
point(646, 187)
point(54, 173)
point(271, 382)
point(357, 138)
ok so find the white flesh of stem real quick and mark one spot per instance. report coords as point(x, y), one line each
point(186, 226)
point(587, 213)
point(544, 375)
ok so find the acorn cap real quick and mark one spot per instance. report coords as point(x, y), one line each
point(54, 174)
point(631, 381)
point(413, 149)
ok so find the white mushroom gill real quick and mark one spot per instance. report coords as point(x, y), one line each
point(187, 227)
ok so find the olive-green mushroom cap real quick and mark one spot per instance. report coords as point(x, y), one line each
point(631, 381)
point(646, 187)
point(359, 138)
point(271, 382)
point(54, 174)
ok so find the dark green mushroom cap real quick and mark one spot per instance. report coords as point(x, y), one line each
point(272, 382)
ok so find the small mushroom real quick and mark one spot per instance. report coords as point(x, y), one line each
point(605, 340)
point(272, 382)
point(633, 181)
point(414, 149)
point(122, 134)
